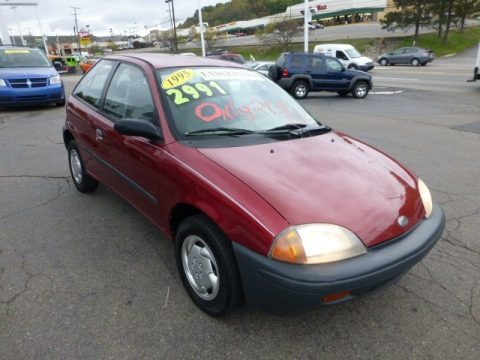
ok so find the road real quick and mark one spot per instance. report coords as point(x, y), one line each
point(87, 277)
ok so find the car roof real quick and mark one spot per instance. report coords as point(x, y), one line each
point(160, 61)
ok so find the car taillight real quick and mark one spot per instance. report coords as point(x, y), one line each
point(285, 73)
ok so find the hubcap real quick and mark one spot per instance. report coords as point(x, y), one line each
point(300, 90)
point(361, 91)
point(76, 166)
point(200, 267)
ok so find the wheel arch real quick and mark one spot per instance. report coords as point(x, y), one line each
point(67, 137)
point(179, 213)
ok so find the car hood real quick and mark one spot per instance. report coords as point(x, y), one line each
point(330, 178)
point(22, 73)
point(363, 60)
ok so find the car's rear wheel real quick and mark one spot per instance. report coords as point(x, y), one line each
point(383, 62)
point(415, 62)
point(83, 182)
point(360, 89)
point(207, 266)
point(299, 89)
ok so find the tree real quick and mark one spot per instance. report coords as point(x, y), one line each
point(409, 13)
point(465, 9)
point(281, 32)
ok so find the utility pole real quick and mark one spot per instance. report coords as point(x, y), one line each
point(175, 45)
point(76, 27)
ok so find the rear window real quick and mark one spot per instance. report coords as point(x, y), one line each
point(17, 58)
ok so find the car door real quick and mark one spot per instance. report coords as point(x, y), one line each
point(84, 116)
point(396, 56)
point(336, 76)
point(133, 162)
point(317, 70)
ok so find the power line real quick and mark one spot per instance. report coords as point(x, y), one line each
point(76, 27)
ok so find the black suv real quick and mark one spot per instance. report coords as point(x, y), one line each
point(299, 73)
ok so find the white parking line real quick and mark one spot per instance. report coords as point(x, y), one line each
point(391, 78)
point(386, 92)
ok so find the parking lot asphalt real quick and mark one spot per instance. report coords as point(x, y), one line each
point(88, 277)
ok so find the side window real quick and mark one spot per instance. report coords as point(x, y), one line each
point(317, 63)
point(128, 95)
point(341, 55)
point(333, 64)
point(91, 86)
point(296, 61)
point(410, 51)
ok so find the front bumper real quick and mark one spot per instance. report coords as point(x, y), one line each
point(278, 287)
point(30, 96)
point(366, 67)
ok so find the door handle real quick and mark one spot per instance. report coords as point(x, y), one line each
point(99, 135)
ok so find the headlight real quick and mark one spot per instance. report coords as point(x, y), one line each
point(316, 244)
point(426, 198)
point(2, 82)
point(55, 80)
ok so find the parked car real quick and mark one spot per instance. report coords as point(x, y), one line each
point(229, 57)
point(262, 67)
point(300, 73)
point(407, 55)
point(28, 77)
point(349, 56)
point(264, 203)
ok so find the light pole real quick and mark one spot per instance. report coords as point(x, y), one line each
point(305, 27)
point(174, 26)
point(202, 40)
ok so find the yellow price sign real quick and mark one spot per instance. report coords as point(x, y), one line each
point(177, 78)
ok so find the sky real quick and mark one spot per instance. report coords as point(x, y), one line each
point(122, 16)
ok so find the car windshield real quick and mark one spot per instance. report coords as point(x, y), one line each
point(223, 99)
point(16, 58)
point(353, 53)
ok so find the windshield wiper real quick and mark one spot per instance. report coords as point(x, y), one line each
point(284, 128)
point(220, 131)
point(297, 129)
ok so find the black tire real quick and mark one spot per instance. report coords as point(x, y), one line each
point(423, 64)
point(342, 93)
point(415, 62)
point(60, 103)
point(201, 248)
point(353, 67)
point(83, 182)
point(360, 89)
point(383, 62)
point(299, 89)
point(273, 72)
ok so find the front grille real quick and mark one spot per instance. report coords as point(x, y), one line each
point(28, 83)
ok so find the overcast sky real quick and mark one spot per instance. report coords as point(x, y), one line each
point(121, 16)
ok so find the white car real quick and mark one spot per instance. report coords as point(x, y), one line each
point(261, 66)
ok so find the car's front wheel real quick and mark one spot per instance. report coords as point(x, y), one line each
point(353, 66)
point(83, 182)
point(60, 103)
point(299, 89)
point(360, 89)
point(383, 62)
point(207, 266)
point(415, 62)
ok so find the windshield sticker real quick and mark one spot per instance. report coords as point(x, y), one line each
point(198, 91)
point(230, 74)
point(256, 109)
point(19, 51)
point(177, 78)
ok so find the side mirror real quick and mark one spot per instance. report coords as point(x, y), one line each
point(138, 127)
point(343, 68)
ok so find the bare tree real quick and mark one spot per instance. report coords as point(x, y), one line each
point(281, 32)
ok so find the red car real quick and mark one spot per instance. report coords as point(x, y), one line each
point(265, 204)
